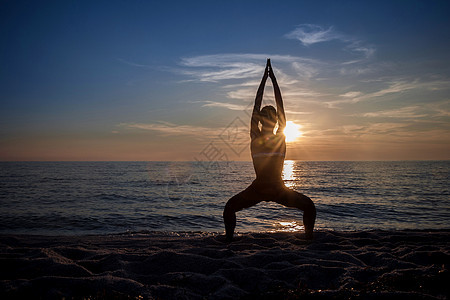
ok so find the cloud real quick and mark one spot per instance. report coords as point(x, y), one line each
point(230, 106)
point(367, 51)
point(291, 112)
point(385, 128)
point(219, 67)
point(440, 109)
point(372, 129)
point(242, 94)
point(351, 94)
point(360, 52)
point(289, 69)
point(168, 128)
point(305, 70)
point(401, 86)
point(214, 68)
point(369, 131)
point(346, 98)
point(396, 86)
point(248, 108)
point(233, 59)
point(293, 72)
point(317, 83)
point(298, 92)
point(309, 34)
point(404, 112)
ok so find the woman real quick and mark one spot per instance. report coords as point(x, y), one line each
point(268, 150)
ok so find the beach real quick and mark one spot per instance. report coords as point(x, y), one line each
point(157, 265)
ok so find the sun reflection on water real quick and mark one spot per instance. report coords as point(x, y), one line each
point(288, 173)
point(286, 226)
point(289, 179)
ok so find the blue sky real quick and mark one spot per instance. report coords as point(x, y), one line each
point(145, 80)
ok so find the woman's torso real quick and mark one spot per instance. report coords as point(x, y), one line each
point(268, 152)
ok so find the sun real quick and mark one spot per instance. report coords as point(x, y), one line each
point(292, 131)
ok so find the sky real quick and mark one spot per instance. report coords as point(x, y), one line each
point(176, 80)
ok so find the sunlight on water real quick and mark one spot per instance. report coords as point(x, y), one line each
point(115, 197)
point(288, 226)
point(288, 173)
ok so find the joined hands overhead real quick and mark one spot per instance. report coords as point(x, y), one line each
point(269, 70)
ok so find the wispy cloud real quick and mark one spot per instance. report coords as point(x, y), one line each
point(248, 108)
point(399, 132)
point(346, 98)
point(219, 67)
point(372, 131)
point(369, 131)
point(437, 113)
point(230, 106)
point(367, 50)
point(351, 81)
point(247, 93)
point(402, 86)
point(241, 74)
point(231, 59)
point(396, 87)
point(404, 112)
point(293, 73)
point(385, 128)
point(440, 109)
point(291, 70)
point(351, 94)
point(392, 87)
point(167, 128)
point(309, 34)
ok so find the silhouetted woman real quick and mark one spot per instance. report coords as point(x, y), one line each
point(268, 151)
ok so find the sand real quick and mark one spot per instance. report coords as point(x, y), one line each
point(365, 264)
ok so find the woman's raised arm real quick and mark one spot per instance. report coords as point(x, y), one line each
point(254, 130)
point(280, 108)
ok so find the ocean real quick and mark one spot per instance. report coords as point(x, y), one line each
point(78, 198)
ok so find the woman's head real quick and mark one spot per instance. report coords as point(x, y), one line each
point(268, 116)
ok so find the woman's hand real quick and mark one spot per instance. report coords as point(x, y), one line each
point(269, 66)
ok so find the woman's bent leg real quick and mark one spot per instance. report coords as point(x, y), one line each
point(238, 202)
point(229, 217)
point(295, 199)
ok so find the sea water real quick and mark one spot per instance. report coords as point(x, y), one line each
point(118, 197)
